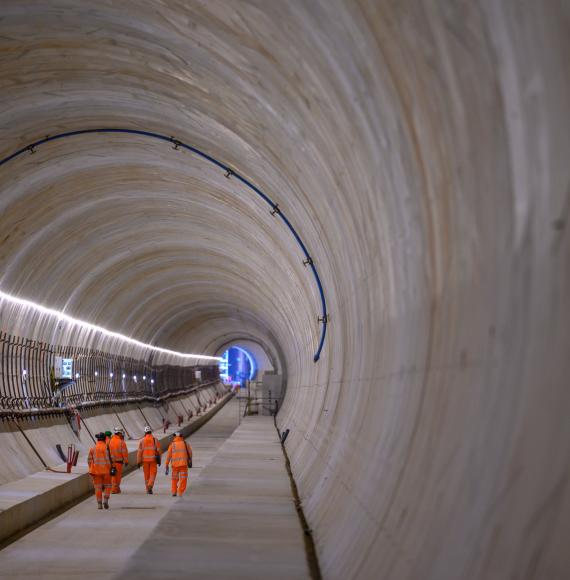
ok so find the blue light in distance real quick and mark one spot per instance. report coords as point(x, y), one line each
point(237, 365)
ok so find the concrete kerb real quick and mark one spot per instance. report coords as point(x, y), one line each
point(52, 493)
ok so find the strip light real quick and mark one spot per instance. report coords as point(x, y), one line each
point(94, 328)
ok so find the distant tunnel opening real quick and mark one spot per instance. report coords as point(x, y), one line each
point(238, 365)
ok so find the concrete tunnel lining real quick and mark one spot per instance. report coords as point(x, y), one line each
point(420, 148)
point(163, 250)
point(229, 173)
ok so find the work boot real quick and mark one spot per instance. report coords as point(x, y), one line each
point(149, 490)
point(173, 495)
point(106, 504)
point(99, 505)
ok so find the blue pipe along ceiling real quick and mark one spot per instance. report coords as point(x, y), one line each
point(229, 172)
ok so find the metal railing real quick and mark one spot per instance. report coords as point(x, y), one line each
point(28, 383)
point(69, 408)
point(253, 405)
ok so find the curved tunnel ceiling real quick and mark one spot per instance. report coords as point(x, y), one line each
point(130, 234)
point(421, 151)
point(193, 224)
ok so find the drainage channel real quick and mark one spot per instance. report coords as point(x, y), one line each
point(310, 549)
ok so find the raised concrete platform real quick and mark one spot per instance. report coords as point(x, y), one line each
point(239, 521)
point(28, 500)
point(87, 543)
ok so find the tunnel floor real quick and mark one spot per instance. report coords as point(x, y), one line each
point(237, 515)
point(239, 522)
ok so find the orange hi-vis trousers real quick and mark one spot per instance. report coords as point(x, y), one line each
point(102, 485)
point(149, 468)
point(116, 479)
point(179, 479)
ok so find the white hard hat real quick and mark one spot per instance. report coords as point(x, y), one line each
point(147, 429)
point(177, 434)
point(118, 430)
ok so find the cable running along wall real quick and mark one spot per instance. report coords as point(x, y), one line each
point(229, 172)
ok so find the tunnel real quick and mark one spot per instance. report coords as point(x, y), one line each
point(375, 194)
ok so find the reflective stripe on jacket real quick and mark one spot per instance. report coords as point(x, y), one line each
point(149, 448)
point(118, 449)
point(179, 452)
point(98, 459)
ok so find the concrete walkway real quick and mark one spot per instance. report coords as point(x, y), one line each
point(87, 543)
point(239, 521)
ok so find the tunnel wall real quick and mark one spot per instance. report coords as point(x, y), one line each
point(421, 149)
point(433, 442)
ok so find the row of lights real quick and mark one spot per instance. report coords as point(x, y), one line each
point(111, 375)
point(61, 317)
point(77, 375)
point(124, 376)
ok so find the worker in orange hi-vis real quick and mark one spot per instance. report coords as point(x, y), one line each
point(120, 458)
point(180, 455)
point(100, 469)
point(148, 456)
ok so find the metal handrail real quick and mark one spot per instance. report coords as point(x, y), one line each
point(11, 410)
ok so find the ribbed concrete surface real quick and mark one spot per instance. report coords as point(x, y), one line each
point(87, 543)
point(239, 522)
point(421, 149)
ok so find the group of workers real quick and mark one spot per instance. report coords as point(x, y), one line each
point(110, 455)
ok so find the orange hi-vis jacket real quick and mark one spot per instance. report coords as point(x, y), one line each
point(99, 460)
point(118, 449)
point(149, 448)
point(179, 452)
